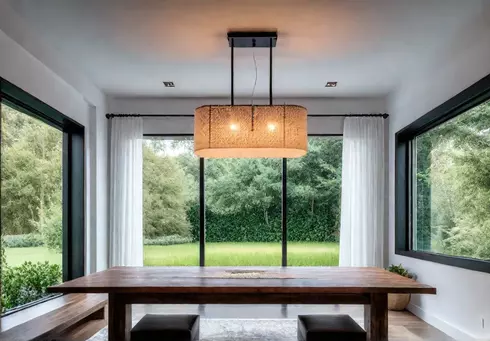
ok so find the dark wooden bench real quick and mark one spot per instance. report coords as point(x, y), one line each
point(50, 319)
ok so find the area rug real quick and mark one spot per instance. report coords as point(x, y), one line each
point(265, 330)
point(237, 330)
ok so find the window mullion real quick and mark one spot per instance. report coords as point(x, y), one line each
point(284, 213)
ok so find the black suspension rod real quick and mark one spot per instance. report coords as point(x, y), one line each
point(232, 71)
point(270, 73)
point(284, 213)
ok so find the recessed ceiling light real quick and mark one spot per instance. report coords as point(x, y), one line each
point(169, 84)
point(331, 85)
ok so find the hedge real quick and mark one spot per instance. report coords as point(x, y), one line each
point(23, 240)
point(168, 240)
point(323, 226)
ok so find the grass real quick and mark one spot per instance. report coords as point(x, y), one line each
point(243, 254)
point(18, 255)
point(217, 254)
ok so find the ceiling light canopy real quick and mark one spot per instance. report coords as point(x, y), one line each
point(250, 131)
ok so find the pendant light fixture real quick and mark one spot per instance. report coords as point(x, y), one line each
point(250, 131)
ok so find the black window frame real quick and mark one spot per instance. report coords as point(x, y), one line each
point(202, 202)
point(467, 99)
point(73, 176)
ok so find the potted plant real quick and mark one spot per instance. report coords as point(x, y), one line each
point(399, 301)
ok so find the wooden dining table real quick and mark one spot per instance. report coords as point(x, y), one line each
point(245, 285)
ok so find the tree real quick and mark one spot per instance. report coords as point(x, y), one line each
point(164, 196)
point(239, 185)
point(314, 185)
point(30, 200)
point(31, 172)
point(457, 177)
point(315, 178)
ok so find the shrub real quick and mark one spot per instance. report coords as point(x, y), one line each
point(400, 270)
point(23, 240)
point(3, 260)
point(27, 283)
point(168, 240)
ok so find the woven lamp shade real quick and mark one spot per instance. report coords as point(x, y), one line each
point(243, 131)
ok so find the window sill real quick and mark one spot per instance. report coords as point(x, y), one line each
point(30, 304)
point(460, 262)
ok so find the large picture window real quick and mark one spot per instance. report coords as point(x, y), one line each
point(170, 202)
point(257, 212)
point(313, 190)
point(41, 198)
point(443, 183)
point(243, 212)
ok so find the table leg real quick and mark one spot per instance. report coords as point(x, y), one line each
point(376, 318)
point(119, 324)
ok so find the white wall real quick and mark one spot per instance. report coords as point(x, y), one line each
point(463, 296)
point(79, 100)
point(186, 106)
point(151, 105)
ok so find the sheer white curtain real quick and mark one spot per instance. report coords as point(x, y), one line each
point(362, 203)
point(126, 192)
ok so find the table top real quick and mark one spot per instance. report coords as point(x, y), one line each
point(209, 280)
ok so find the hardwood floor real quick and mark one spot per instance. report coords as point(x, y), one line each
point(403, 326)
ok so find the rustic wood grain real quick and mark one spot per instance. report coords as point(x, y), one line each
point(284, 285)
point(52, 317)
point(376, 318)
point(232, 298)
point(119, 324)
point(83, 331)
point(333, 280)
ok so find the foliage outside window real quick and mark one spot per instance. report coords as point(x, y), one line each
point(314, 186)
point(243, 212)
point(451, 186)
point(170, 202)
point(243, 206)
point(31, 207)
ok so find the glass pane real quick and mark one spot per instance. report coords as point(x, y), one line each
point(170, 202)
point(314, 182)
point(452, 186)
point(31, 204)
point(243, 212)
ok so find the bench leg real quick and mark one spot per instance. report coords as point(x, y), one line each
point(376, 318)
point(119, 323)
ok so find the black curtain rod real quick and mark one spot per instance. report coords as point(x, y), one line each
point(190, 115)
point(146, 115)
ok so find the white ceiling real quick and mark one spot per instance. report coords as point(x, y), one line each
point(129, 47)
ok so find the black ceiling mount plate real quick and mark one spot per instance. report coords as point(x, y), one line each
point(252, 39)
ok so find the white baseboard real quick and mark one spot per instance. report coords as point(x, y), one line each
point(442, 325)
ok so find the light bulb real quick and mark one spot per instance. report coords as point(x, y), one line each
point(271, 127)
point(234, 127)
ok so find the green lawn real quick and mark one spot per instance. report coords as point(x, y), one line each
point(18, 255)
point(217, 254)
point(243, 254)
